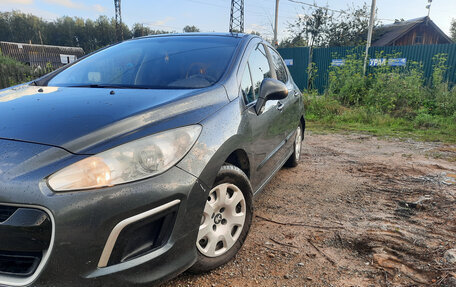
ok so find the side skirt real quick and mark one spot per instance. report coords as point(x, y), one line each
point(260, 188)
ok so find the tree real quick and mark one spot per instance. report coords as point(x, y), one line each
point(67, 31)
point(350, 29)
point(453, 30)
point(139, 30)
point(320, 28)
point(189, 29)
point(310, 30)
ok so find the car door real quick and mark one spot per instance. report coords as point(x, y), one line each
point(290, 117)
point(267, 134)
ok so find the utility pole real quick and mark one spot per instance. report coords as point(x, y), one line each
point(276, 43)
point(119, 31)
point(237, 16)
point(369, 33)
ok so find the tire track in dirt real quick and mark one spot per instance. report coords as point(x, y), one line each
point(357, 211)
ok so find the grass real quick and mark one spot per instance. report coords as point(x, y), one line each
point(326, 115)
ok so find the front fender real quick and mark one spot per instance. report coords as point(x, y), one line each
point(221, 135)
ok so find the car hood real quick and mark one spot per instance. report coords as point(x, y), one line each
point(82, 119)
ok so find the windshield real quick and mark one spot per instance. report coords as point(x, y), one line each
point(181, 62)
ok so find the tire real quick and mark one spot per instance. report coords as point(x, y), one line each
point(293, 160)
point(227, 214)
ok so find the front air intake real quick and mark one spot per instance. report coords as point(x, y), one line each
point(144, 236)
point(19, 264)
point(6, 212)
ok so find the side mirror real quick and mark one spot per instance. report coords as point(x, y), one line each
point(270, 89)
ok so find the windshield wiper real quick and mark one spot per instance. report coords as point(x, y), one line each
point(109, 86)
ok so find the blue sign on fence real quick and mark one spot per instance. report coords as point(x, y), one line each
point(377, 62)
point(397, 62)
point(288, 62)
point(337, 62)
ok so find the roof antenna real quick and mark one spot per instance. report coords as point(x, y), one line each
point(428, 6)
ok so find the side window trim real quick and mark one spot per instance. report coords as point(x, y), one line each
point(247, 70)
point(282, 61)
point(246, 55)
point(251, 81)
point(254, 44)
point(269, 57)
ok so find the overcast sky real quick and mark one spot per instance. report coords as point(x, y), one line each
point(213, 15)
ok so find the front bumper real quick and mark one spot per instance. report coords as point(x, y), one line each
point(80, 228)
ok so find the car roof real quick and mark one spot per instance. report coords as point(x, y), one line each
point(211, 34)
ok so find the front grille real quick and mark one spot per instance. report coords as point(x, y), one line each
point(25, 235)
point(6, 212)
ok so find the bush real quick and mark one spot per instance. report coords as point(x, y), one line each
point(425, 120)
point(347, 83)
point(445, 98)
point(397, 91)
point(13, 72)
point(318, 107)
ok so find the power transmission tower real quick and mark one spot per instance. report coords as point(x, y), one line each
point(237, 16)
point(119, 31)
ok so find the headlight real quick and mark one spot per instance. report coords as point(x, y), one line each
point(132, 161)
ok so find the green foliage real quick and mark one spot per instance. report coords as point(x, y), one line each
point(318, 107)
point(189, 29)
point(139, 30)
point(350, 29)
point(321, 28)
point(391, 101)
point(445, 98)
point(311, 29)
point(13, 72)
point(397, 92)
point(453, 30)
point(425, 120)
point(67, 31)
point(347, 83)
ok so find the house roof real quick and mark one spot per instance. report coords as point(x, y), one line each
point(386, 35)
point(39, 55)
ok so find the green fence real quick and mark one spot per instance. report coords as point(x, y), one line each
point(298, 65)
point(298, 60)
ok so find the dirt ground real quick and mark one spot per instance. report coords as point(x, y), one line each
point(357, 211)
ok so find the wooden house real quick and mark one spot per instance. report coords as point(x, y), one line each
point(419, 31)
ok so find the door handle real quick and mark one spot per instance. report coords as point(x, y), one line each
point(279, 106)
point(296, 93)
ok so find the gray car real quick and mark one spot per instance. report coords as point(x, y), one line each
point(141, 160)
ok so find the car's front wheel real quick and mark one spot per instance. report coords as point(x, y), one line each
point(226, 219)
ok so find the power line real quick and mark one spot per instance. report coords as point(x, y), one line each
point(329, 9)
point(316, 6)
